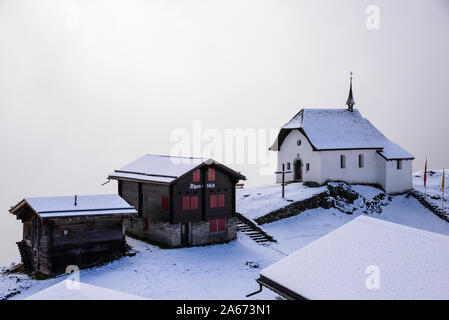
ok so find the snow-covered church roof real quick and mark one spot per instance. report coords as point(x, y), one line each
point(334, 129)
point(367, 258)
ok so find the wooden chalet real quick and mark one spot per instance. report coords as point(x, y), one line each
point(180, 201)
point(75, 230)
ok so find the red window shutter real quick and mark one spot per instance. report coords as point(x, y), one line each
point(185, 203)
point(194, 202)
point(221, 224)
point(211, 174)
point(147, 224)
point(213, 200)
point(213, 226)
point(164, 203)
point(221, 200)
point(196, 175)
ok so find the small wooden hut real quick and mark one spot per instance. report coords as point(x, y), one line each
point(75, 230)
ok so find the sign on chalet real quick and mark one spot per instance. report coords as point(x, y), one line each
point(79, 230)
point(180, 201)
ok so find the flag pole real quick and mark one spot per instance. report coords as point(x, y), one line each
point(442, 190)
point(425, 179)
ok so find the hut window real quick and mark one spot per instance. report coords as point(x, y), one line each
point(196, 175)
point(221, 200)
point(399, 165)
point(307, 166)
point(194, 202)
point(213, 200)
point(217, 225)
point(288, 165)
point(342, 161)
point(164, 203)
point(185, 203)
point(361, 161)
point(66, 232)
point(211, 174)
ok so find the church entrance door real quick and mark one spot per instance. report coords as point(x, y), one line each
point(297, 170)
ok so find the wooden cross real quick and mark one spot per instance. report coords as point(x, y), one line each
point(283, 172)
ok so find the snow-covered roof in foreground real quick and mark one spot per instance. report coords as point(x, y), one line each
point(329, 129)
point(81, 291)
point(160, 168)
point(103, 204)
point(411, 263)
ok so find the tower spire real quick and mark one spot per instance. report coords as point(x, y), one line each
point(350, 102)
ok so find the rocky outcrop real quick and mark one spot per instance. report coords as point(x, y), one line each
point(347, 200)
point(342, 190)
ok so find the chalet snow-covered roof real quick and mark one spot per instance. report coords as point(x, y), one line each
point(334, 129)
point(163, 169)
point(54, 207)
point(412, 264)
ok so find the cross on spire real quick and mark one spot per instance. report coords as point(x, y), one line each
point(350, 102)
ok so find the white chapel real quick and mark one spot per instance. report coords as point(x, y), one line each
point(323, 145)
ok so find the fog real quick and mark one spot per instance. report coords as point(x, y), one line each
point(88, 86)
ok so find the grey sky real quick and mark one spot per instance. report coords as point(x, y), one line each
point(87, 86)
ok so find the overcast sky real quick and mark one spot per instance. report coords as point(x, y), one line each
point(88, 86)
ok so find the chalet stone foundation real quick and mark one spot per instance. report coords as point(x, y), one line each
point(166, 234)
point(202, 236)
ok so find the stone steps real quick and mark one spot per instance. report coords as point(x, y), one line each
point(253, 232)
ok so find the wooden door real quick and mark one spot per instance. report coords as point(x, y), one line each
point(298, 170)
point(185, 233)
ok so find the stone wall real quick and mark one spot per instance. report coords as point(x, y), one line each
point(160, 233)
point(201, 235)
point(293, 209)
point(432, 207)
point(169, 235)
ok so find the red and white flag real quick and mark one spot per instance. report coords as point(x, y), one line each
point(425, 174)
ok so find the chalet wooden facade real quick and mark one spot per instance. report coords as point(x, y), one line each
point(63, 231)
point(180, 201)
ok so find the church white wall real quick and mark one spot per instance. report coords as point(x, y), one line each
point(398, 180)
point(373, 171)
point(290, 151)
point(325, 166)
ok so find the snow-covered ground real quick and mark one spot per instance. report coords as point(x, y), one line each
point(225, 271)
point(295, 232)
point(258, 201)
point(228, 271)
